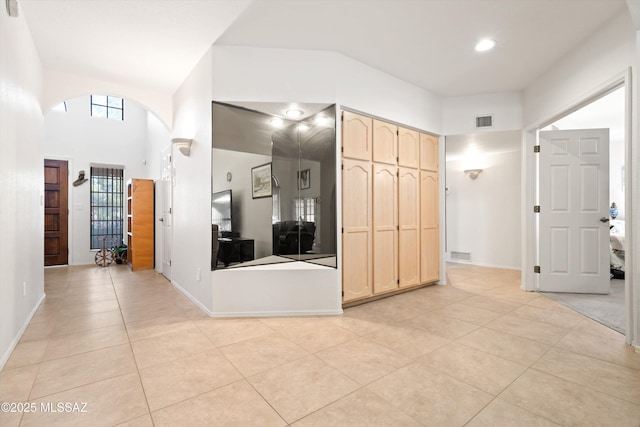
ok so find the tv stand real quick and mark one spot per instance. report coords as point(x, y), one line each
point(235, 249)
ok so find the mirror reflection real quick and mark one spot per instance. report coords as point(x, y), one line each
point(274, 183)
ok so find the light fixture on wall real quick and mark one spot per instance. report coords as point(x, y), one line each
point(473, 173)
point(183, 145)
point(12, 8)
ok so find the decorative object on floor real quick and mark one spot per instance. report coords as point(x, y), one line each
point(473, 173)
point(261, 181)
point(183, 145)
point(613, 211)
point(81, 179)
point(304, 179)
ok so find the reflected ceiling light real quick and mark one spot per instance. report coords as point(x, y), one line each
point(485, 45)
point(294, 112)
point(321, 120)
point(302, 128)
point(276, 121)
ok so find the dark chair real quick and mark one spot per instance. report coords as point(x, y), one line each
point(293, 236)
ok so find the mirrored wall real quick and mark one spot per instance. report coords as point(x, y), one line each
point(274, 184)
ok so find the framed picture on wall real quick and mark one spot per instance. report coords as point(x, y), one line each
point(261, 181)
point(304, 179)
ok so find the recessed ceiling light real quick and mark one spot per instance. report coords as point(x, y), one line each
point(276, 121)
point(485, 45)
point(294, 113)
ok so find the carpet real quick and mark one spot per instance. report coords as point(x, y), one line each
point(605, 309)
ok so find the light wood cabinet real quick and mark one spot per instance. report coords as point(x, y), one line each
point(390, 214)
point(385, 142)
point(140, 224)
point(357, 277)
point(408, 148)
point(428, 152)
point(408, 221)
point(385, 228)
point(429, 229)
point(357, 134)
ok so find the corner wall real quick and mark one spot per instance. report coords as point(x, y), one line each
point(21, 181)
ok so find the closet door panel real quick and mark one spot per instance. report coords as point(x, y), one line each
point(385, 224)
point(357, 227)
point(428, 152)
point(429, 235)
point(409, 219)
point(385, 142)
point(408, 148)
point(357, 133)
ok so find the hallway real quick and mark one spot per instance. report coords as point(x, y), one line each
point(476, 352)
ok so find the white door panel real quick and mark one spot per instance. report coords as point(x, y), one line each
point(574, 196)
point(167, 203)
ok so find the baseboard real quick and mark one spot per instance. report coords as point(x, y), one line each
point(191, 298)
point(277, 313)
point(480, 264)
point(16, 340)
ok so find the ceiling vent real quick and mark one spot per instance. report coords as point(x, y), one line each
point(484, 122)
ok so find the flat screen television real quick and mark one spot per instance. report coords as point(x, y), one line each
point(221, 209)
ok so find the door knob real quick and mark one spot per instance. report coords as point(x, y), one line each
point(604, 219)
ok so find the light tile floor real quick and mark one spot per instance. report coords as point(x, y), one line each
point(476, 352)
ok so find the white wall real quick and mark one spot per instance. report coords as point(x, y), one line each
point(84, 140)
point(603, 56)
point(59, 86)
point(459, 113)
point(191, 247)
point(21, 182)
point(483, 215)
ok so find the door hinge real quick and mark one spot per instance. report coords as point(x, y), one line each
point(342, 149)
point(398, 281)
point(397, 132)
point(342, 293)
point(536, 209)
point(398, 227)
point(169, 263)
point(342, 167)
point(169, 210)
point(536, 148)
point(342, 229)
point(536, 269)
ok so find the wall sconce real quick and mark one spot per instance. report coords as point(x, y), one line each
point(183, 145)
point(473, 173)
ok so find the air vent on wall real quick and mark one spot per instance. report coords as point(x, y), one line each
point(484, 122)
point(460, 256)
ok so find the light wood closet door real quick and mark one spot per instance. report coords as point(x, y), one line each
point(385, 226)
point(357, 133)
point(408, 148)
point(385, 142)
point(429, 230)
point(428, 152)
point(408, 219)
point(357, 277)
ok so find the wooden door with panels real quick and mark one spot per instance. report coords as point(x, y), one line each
point(429, 230)
point(385, 142)
point(409, 227)
point(428, 152)
point(356, 136)
point(56, 212)
point(357, 271)
point(408, 148)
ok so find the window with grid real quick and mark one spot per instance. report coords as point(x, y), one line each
point(304, 209)
point(107, 202)
point(108, 107)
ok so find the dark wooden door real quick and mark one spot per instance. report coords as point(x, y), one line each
point(56, 212)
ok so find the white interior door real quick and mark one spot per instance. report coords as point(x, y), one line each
point(574, 211)
point(165, 220)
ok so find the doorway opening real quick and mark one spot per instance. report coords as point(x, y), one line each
point(605, 111)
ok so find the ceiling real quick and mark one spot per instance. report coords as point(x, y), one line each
point(429, 43)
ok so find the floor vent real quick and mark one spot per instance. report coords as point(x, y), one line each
point(484, 122)
point(461, 256)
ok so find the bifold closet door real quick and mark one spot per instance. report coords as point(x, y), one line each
point(357, 273)
point(385, 142)
point(428, 152)
point(357, 133)
point(385, 228)
point(408, 148)
point(429, 230)
point(409, 233)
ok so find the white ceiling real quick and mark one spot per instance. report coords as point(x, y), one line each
point(429, 43)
